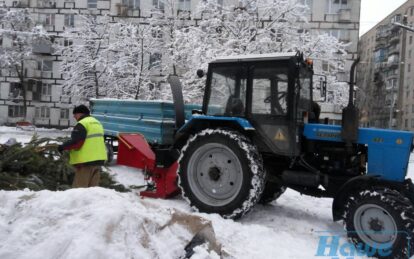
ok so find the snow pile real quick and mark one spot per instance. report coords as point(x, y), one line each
point(91, 223)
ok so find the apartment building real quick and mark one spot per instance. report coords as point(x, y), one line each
point(46, 104)
point(386, 91)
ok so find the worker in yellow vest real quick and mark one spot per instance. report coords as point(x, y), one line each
point(87, 152)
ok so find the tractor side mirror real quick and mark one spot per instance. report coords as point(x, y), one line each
point(200, 73)
point(320, 85)
point(323, 90)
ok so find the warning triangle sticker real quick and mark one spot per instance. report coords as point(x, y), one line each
point(279, 136)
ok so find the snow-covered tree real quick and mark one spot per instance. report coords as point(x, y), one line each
point(84, 56)
point(250, 26)
point(19, 35)
point(131, 46)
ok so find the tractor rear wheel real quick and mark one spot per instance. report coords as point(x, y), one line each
point(382, 220)
point(221, 172)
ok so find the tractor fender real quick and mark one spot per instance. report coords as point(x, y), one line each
point(198, 123)
point(361, 183)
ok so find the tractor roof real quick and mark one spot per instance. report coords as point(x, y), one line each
point(255, 57)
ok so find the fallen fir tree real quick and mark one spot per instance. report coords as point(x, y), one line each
point(38, 165)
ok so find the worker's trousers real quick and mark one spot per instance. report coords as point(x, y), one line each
point(86, 176)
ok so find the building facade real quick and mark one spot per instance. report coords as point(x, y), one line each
point(386, 91)
point(46, 104)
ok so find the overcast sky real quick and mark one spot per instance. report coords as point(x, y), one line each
point(373, 11)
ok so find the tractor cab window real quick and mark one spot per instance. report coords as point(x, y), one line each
point(270, 88)
point(227, 91)
point(305, 94)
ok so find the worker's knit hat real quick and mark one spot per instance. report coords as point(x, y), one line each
point(81, 109)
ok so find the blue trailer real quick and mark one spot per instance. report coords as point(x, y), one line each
point(154, 119)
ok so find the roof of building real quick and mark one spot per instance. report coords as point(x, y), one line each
point(255, 57)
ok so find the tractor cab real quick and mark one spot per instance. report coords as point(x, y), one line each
point(273, 92)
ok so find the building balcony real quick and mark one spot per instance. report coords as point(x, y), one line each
point(380, 66)
point(127, 11)
point(394, 50)
point(21, 4)
point(34, 73)
point(393, 64)
point(344, 15)
point(394, 38)
point(42, 48)
point(45, 4)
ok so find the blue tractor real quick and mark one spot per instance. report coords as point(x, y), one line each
point(258, 133)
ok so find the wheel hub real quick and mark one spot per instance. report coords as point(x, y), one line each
point(376, 225)
point(214, 173)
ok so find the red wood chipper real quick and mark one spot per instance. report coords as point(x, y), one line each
point(160, 166)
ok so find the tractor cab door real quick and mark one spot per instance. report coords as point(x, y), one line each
point(281, 94)
point(271, 108)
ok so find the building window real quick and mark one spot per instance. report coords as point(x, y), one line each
point(16, 111)
point(409, 68)
point(45, 65)
point(92, 3)
point(156, 33)
point(409, 53)
point(412, 108)
point(15, 90)
point(46, 89)
point(69, 20)
point(48, 19)
point(412, 123)
point(42, 112)
point(67, 42)
point(158, 4)
point(333, 6)
point(406, 123)
point(131, 4)
point(64, 114)
point(155, 60)
point(410, 41)
point(184, 5)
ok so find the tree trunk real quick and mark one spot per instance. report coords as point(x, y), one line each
point(22, 86)
point(140, 69)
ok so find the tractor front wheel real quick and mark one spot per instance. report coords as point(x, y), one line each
point(221, 172)
point(382, 221)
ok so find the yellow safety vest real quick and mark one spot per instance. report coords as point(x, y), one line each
point(93, 149)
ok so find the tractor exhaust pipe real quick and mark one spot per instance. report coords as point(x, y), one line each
point(178, 99)
point(350, 114)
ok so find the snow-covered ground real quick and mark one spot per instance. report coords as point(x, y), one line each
point(101, 223)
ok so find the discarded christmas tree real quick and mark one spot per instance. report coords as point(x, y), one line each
point(38, 166)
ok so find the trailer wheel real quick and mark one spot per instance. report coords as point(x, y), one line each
point(382, 220)
point(221, 172)
point(272, 191)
